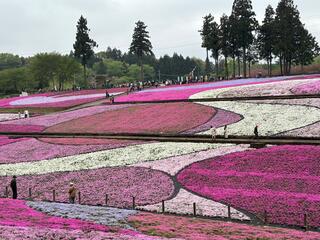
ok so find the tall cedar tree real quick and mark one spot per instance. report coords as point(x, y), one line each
point(141, 45)
point(266, 37)
point(233, 43)
point(83, 47)
point(287, 23)
point(215, 44)
point(245, 24)
point(225, 42)
point(205, 35)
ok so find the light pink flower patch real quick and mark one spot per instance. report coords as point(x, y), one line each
point(5, 140)
point(34, 150)
point(16, 213)
point(152, 118)
point(121, 184)
point(308, 88)
point(283, 180)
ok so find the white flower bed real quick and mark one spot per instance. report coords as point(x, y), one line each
point(183, 204)
point(265, 89)
point(110, 158)
point(271, 118)
point(100, 215)
point(173, 165)
point(8, 116)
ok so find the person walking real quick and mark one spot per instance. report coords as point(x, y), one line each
point(107, 94)
point(213, 133)
point(256, 132)
point(13, 185)
point(225, 131)
point(72, 193)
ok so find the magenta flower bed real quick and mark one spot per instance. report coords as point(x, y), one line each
point(21, 128)
point(283, 180)
point(185, 91)
point(90, 141)
point(34, 150)
point(156, 118)
point(16, 213)
point(5, 140)
point(56, 118)
point(308, 88)
point(121, 184)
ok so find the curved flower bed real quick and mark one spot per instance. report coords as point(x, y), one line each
point(56, 118)
point(146, 185)
point(191, 229)
point(284, 181)
point(109, 158)
point(34, 150)
point(220, 119)
point(308, 88)
point(108, 143)
point(154, 118)
point(16, 213)
point(271, 118)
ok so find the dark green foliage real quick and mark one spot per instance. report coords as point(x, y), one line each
point(244, 24)
point(267, 37)
point(141, 45)
point(83, 47)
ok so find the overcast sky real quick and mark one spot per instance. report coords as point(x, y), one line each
point(32, 26)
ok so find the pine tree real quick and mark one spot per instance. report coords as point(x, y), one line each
point(215, 44)
point(225, 42)
point(245, 24)
point(205, 34)
point(287, 24)
point(83, 47)
point(266, 37)
point(141, 45)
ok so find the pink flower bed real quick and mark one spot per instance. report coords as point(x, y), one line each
point(283, 180)
point(147, 185)
point(34, 150)
point(309, 88)
point(185, 91)
point(5, 140)
point(56, 118)
point(202, 229)
point(16, 213)
point(90, 141)
point(21, 128)
point(155, 118)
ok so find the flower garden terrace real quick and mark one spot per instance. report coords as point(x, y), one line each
point(276, 184)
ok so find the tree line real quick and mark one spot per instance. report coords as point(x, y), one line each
point(281, 39)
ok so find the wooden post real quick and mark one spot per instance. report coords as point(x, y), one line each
point(30, 193)
point(133, 202)
point(79, 196)
point(54, 195)
point(194, 209)
point(229, 212)
point(7, 192)
point(305, 221)
point(106, 199)
point(265, 217)
point(163, 209)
